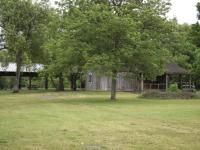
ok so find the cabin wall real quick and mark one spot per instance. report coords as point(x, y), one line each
point(92, 82)
point(104, 83)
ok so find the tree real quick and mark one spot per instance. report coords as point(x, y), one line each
point(180, 45)
point(66, 52)
point(108, 35)
point(195, 38)
point(125, 36)
point(195, 31)
point(150, 54)
point(21, 20)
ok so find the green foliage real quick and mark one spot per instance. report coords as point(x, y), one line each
point(6, 83)
point(195, 38)
point(6, 57)
point(126, 40)
point(173, 88)
point(81, 35)
point(98, 35)
point(110, 36)
point(23, 22)
point(180, 45)
point(20, 21)
point(153, 94)
point(195, 34)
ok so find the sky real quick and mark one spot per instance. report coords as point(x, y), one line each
point(184, 10)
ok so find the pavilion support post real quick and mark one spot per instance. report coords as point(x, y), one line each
point(30, 83)
point(80, 81)
point(46, 83)
point(142, 83)
point(190, 81)
point(166, 81)
point(20, 82)
point(180, 81)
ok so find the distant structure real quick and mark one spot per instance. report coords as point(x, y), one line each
point(96, 82)
point(172, 72)
point(2, 41)
point(29, 71)
point(26, 70)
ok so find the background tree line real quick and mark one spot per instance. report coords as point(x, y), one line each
point(104, 36)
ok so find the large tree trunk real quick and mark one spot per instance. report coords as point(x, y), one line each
point(46, 84)
point(73, 79)
point(113, 87)
point(61, 83)
point(82, 82)
point(52, 81)
point(19, 59)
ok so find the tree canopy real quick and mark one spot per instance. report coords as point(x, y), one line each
point(22, 22)
point(102, 36)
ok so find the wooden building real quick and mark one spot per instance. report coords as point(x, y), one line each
point(173, 74)
point(172, 71)
point(95, 82)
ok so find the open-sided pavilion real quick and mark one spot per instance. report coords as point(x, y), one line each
point(172, 71)
point(29, 71)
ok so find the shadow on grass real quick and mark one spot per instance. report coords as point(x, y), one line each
point(40, 91)
point(77, 98)
point(9, 92)
point(104, 100)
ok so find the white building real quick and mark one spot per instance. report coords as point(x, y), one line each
point(2, 42)
point(95, 82)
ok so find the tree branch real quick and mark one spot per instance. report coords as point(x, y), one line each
point(115, 3)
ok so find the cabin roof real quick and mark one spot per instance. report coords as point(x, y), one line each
point(174, 68)
point(11, 67)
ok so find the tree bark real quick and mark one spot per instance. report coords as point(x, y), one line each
point(113, 87)
point(46, 86)
point(52, 81)
point(83, 84)
point(142, 83)
point(166, 82)
point(73, 79)
point(61, 83)
point(19, 59)
point(30, 83)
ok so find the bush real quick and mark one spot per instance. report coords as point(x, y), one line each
point(168, 95)
point(6, 82)
point(173, 88)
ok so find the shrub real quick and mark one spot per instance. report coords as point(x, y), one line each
point(153, 94)
point(173, 88)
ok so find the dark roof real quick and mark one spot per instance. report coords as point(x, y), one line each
point(174, 68)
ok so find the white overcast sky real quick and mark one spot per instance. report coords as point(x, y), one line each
point(184, 10)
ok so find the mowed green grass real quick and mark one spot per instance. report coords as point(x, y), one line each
point(89, 121)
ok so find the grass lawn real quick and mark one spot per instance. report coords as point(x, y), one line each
point(89, 121)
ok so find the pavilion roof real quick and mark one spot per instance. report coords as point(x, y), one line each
point(174, 68)
point(11, 67)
